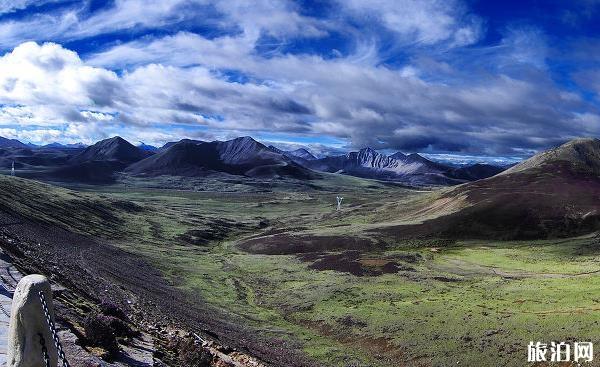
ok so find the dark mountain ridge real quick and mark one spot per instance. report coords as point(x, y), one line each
point(112, 149)
point(301, 156)
point(100, 162)
point(302, 153)
point(474, 172)
point(171, 143)
point(63, 146)
point(240, 156)
point(11, 143)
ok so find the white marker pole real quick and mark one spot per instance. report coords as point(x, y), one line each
point(339, 202)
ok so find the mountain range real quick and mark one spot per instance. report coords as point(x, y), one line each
point(412, 168)
point(100, 162)
point(59, 145)
point(11, 143)
point(240, 156)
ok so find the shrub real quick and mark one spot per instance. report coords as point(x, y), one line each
point(109, 308)
point(100, 333)
point(193, 355)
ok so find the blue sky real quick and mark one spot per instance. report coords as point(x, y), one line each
point(448, 78)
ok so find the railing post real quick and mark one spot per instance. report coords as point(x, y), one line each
point(28, 324)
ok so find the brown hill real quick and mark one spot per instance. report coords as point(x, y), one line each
point(553, 194)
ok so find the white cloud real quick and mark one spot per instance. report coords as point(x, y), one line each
point(423, 21)
point(48, 74)
point(187, 79)
point(181, 49)
point(74, 22)
point(129, 14)
point(8, 6)
point(278, 18)
point(290, 94)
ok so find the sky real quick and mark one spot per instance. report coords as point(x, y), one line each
point(449, 78)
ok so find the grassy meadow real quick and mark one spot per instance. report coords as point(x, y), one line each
point(470, 303)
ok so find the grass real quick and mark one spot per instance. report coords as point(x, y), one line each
point(474, 303)
point(428, 320)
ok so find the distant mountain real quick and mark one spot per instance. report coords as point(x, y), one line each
point(68, 146)
point(276, 150)
point(472, 172)
point(11, 143)
point(146, 147)
point(428, 164)
point(368, 163)
point(98, 163)
point(553, 194)
point(240, 156)
point(399, 156)
point(114, 149)
point(302, 153)
point(301, 156)
point(412, 168)
point(53, 145)
point(171, 143)
point(475, 172)
point(33, 158)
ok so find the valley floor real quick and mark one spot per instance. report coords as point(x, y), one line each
point(280, 262)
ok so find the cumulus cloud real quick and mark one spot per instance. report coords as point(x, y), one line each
point(48, 74)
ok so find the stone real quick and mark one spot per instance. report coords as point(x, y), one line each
point(28, 322)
